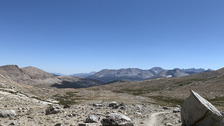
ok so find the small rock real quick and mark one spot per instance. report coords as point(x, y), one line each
point(115, 119)
point(7, 113)
point(122, 104)
point(29, 117)
point(139, 107)
point(54, 110)
point(98, 105)
point(165, 107)
point(83, 124)
point(72, 115)
point(92, 118)
point(138, 113)
point(58, 124)
point(14, 122)
point(169, 124)
point(178, 106)
point(113, 104)
point(67, 106)
point(114, 111)
point(122, 107)
point(176, 110)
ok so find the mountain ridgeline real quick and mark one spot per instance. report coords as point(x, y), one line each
point(38, 77)
point(135, 74)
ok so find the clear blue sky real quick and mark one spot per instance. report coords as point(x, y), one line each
point(72, 36)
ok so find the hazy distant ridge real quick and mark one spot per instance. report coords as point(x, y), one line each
point(83, 74)
point(136, 74)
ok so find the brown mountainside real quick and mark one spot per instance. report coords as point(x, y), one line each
point(28, 75)
point(38, 77)
point(13, 72)
point(36, 73)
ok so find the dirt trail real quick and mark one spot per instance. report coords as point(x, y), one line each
point(153, 119)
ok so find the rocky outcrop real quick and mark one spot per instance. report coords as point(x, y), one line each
point(197, 111)
point(115, 119)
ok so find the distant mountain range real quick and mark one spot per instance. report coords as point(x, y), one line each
point(75, 75)
point(57, 74)
point(38, 77)
point(173, 90)
point(83, 74)
point(135, 74)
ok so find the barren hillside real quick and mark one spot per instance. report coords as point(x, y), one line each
point(40, 78)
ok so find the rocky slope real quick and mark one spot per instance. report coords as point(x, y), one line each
point(13, 72)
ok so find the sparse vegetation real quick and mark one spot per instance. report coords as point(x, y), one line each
point(186, 82)
point(68, 99)
point(168, 101)
point(140, 91)
point(219, 101)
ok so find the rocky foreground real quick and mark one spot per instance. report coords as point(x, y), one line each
point(89, 114)
point(20, 105)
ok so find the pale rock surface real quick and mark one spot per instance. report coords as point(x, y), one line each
point(197, 111)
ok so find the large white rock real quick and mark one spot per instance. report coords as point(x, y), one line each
point(197, 111)
point(115, 119)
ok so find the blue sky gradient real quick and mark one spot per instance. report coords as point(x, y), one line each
point(72, 36)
